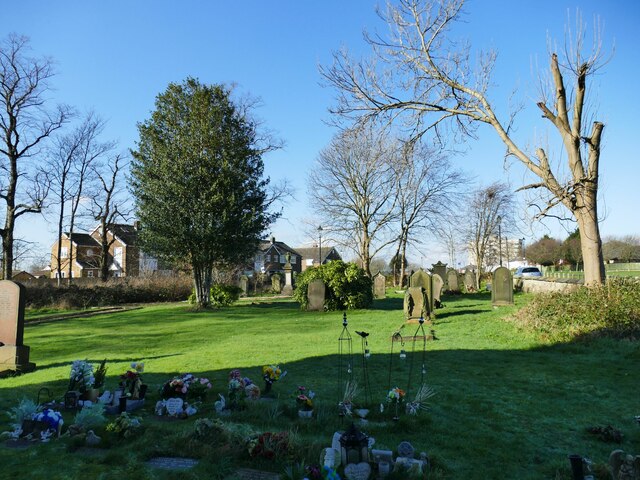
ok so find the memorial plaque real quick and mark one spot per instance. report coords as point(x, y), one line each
point(379, 286)
point(315, 295)
point(501, 287)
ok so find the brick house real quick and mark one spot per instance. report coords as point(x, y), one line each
point(272, 256)
point(125, 257)
point(310, 255)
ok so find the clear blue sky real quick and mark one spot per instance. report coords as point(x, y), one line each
point(116, 56)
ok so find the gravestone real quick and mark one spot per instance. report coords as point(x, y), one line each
point(441, 269)
point(288, 279)
point(379, 286)
point(438, 284)
point(470, 280)
point(275, 283)
point(423, 279)
point(501, 287)
point(244, 285)
point(315, 295)
point(14, 355)
point(416, 304)
point(452, 281)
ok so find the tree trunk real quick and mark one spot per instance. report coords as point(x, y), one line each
point(202, 278)
point(7, 247)
point(591, 247)
point(403, 261)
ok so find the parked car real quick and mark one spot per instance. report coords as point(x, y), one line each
point(527, 272)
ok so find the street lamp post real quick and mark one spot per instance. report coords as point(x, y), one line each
point(524, 257)
point(500, 238)
point(320, 245)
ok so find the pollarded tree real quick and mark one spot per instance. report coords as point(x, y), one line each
point(422, 74)
point(197, 177)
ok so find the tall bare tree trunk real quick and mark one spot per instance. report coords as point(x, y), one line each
point(591, 246)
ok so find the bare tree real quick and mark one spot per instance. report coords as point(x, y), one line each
point(427, 191)
point(490, 209)
point(25, 125)
point(352, 187)
point(109, 204)
point(421, 74)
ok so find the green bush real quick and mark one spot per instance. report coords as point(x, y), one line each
point(222, 295)
point(85, 293)
point(611, 310)
point(348, 287)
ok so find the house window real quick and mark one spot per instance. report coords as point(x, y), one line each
point(64, 252)
point(293, 259)
point(90, 273)
point(260, 258)
point(89, 252)
point(283, 259)
point(117, 256)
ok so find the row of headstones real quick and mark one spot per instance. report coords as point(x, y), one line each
point(276, 284)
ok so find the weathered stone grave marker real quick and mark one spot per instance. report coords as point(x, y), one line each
point(315, 295)
point(416, 304)
point(501, 287)
point(423, 279)
point(470, 280)
point(441, 269)
point(438, 285)
point(288, 276)
point(452, 281)
point(379, 286)
point(14, 355)
point(275, 283)
point(244, 285)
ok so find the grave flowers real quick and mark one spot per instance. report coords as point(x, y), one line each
point(268, 445)
point(187, 387)
point(52, 422)
point(271, 374)
point(81, 377)
point(131, 382)
point(304, 401)
point(420, 400)
point(396, 398)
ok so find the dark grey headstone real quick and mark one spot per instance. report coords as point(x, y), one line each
point(379, 286)
point(315, 295)
point(441, 269)
point(423, 279)
point(452, 280)
point(502, 287)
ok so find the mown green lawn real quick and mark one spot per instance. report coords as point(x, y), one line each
point(507, 405)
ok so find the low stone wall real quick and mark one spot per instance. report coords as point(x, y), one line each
point(542, 285)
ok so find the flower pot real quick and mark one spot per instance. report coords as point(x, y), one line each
point(305, 413)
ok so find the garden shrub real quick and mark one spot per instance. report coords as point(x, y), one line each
point(347, 286)
point(117, 291)
point(221, 295)
point(610, 310)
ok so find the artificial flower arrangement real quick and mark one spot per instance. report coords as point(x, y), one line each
point(395, 397)
point(271, 374)
point(52, 420)
point(131, 381)
point(186, 386)
point(241, 389)
point(420, 400)
point(304, 399)
point(81, 377)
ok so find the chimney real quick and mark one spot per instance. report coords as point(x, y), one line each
point(273, 240)
point(137, 225)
